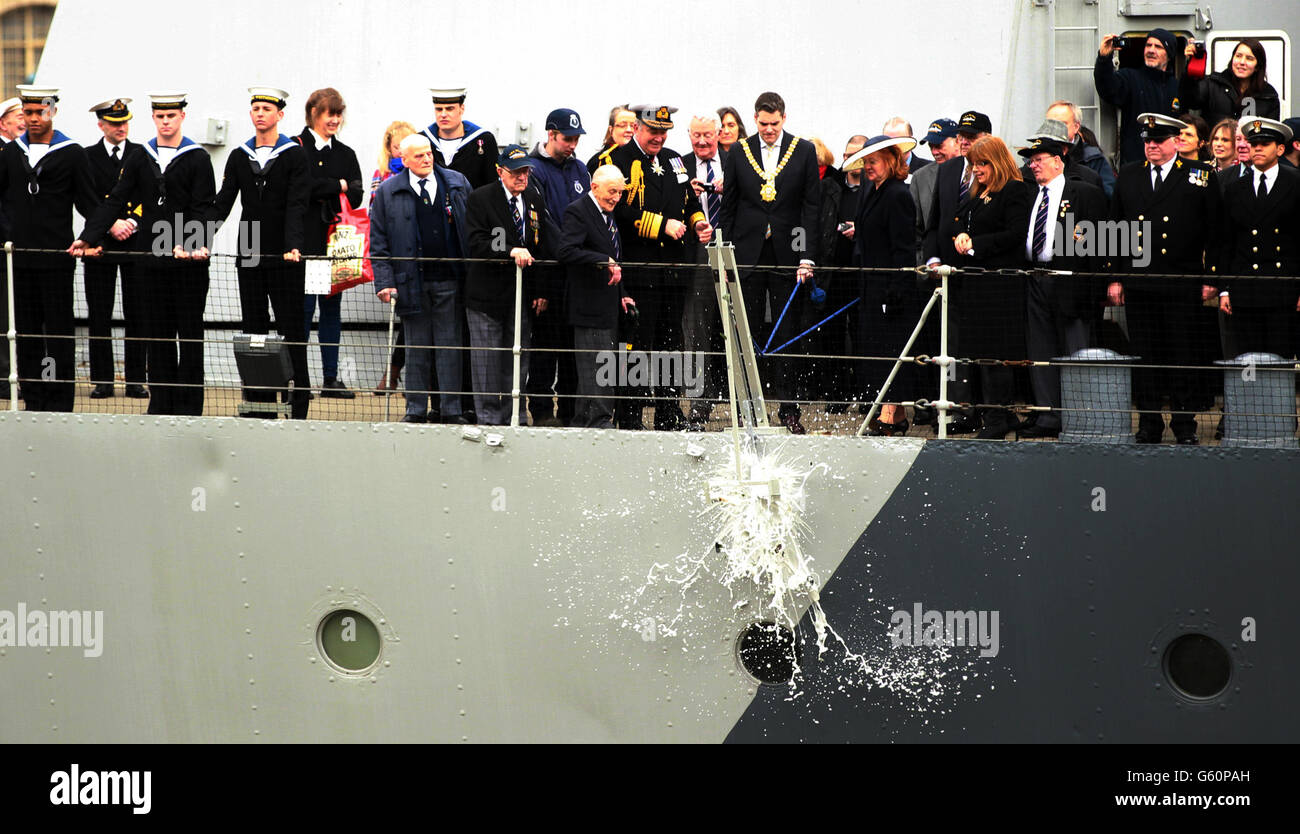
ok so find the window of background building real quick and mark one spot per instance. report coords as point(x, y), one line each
point(23, 27)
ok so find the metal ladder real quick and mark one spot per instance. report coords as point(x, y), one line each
point(1076, 32)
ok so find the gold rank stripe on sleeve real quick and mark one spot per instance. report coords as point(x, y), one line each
point(649, 224)
point(696, 218)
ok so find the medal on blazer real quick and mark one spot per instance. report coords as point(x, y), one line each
point(657, 168)
point(767, 192)
point(533, 221)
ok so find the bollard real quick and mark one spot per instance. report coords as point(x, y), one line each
point(1259, 401)
point(1096, 397)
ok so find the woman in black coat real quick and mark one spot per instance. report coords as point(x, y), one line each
point(884, 231)
point(1225, 94)
point(990, 231)
point(334, 173)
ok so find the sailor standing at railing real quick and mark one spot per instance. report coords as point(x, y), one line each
point(43, 174)
point(172, 182)
point(107, 158)
point(268, 174)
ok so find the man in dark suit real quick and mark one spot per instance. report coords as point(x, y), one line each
point(656, 216)
point(507, 221)
point(771, 211)
point(1262, 222)
point(1061, 310)
point(701, 326)
point(590, 247)
point(1174, 206)
point(268, 175)
point(99, 275)
point(43, 174)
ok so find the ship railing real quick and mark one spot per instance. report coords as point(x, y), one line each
point(843, 366)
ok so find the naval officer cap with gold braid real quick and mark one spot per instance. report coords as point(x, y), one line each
point(113, 111)
point(1159, 127)
point(1265, 130)
point(656, 117)
point(269, 95)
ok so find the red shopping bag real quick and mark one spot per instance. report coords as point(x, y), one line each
point(349, 248)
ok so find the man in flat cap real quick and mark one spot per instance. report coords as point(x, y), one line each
point(1174, 208)
point(43, 175)
point(1062, 311)
point(460, 144)
point(268, 174)
point(657, 213)
point(99, 275)
point(1262, 219)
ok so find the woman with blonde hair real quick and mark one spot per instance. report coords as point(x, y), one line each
point(622, 124)
point(390, 156)
point(990, 232)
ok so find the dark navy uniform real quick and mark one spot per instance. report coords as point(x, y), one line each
point(99, 276)
point(175, 195)
point(1182, 216)
point(658, 191)
point(38, 202)
point(273, 199)
point(475, 154)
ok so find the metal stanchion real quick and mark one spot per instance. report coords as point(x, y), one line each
point(519, 317)
point(388, 357)
point(12, 333)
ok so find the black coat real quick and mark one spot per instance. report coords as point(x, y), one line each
point(585, 248)
point(651, 200)
point(943, 208)
point(1262, 239)
point(1083, 207)
point(1135, 90)
point(1216, 98)
point(326, 168)
point(490, 288)
point(104, 174)
point(61, 181)
point(186, 191)
point(992, 306)
point(274, 197)
point(833, 189)
point(793, 217)
point(1184, 217)
point(884, 230)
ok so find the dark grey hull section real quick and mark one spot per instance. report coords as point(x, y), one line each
point(1091, 588)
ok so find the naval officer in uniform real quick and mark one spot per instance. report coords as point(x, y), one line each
point(1262, 223)
point(459, 144)
point(43, 174)
point(1175, 206)
point(656, 214)
point(99, 275)
point(172, 183)
point(268, 173)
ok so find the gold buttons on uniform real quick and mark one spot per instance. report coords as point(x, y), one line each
point(1166, 218)
point(1140, 217)
point(1163, 252)
point(1254, 231)
point(1163, 235)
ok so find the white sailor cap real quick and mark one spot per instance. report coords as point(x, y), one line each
point(31, 94)
point(10, 104)
point(448, 95)
point(113, 110)
point(271, 95)
point(168, 100)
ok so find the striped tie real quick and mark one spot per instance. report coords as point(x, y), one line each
point(613, 236)
point(965, 186)
point(519, 220)
point(1040, 227)
point(710, 198)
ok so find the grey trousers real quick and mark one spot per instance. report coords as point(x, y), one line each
point(437, 325)
point(493, 370)
point(702, 332)
point(594, 408)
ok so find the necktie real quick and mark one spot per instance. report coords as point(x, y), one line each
point(1040, 227)
point(711, 198)
point(613, 236)
point(1155, 183)
point(519, 220)
point(1263, 186)
point(965, 186)
point(116, 151)
point(424, 195)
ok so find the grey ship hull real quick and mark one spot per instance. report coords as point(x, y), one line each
point(502, 580)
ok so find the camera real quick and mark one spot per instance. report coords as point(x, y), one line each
point(1119, 42)
point(844, 227)
point(710, 187)
point(1200, 49)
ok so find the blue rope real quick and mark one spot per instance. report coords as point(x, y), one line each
point(777, 326)
point(815, 326)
